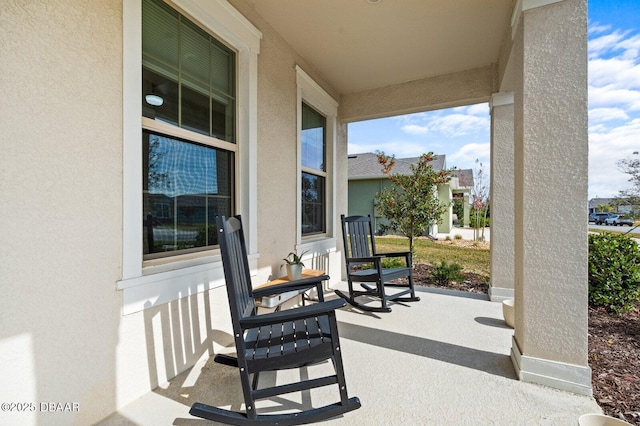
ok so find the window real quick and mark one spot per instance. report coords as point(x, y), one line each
point(148, 282)
point(188, 90)
point(317, 118)
point(313, 152)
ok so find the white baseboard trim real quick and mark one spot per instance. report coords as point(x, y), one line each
point(498, 294)
point(567, 377)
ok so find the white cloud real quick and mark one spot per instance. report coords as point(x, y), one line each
point(606, 43)
point(454, 122)
point(479, 109)
point(399, 148)
point(606, 148)
point(597, 28)
point(466, 156)
point(615, 72)
point(614, 108)
point(414, 129)
point(607, 97)
point(606, 114)
point(459, 124)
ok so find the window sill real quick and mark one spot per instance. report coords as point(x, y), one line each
point(317, 245)
point(162, 286)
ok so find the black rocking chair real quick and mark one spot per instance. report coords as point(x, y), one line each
point(364, 265)
point(274, 341)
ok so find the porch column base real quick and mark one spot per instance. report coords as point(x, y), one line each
point(498, 294)
point(558, 375)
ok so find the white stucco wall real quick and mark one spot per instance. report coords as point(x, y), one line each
point(278, 151)
point(502, 195)
point(445, 91)
point(63, 336)
point(61, 206)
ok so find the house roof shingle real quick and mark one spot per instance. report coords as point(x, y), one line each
point(366, 166)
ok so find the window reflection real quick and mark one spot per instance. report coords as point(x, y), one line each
point(185, 186)
point(313, 200)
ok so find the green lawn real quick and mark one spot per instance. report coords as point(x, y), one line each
point(473, 259)
point(635, 233)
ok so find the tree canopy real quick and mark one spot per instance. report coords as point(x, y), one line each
point(411, 204)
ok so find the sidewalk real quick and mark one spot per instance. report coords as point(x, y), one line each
point(467, 233)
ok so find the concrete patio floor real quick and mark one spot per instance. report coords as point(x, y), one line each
point(441, 361)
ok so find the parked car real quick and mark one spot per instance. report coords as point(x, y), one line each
point(625, 220)
point(601, 217)
point(611, 220)
point(618, 220)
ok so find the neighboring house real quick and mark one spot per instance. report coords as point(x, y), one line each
point(596, 203)
point(111, 108)
point(618, 205)
point(366, 180)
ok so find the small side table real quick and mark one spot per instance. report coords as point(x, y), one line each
point(309, 277)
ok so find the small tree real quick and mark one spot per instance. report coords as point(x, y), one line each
point(605, 208)
point(631, 166)
point(479, 200)
point(411, 204)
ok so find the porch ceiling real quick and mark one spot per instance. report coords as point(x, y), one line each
point(358, 45)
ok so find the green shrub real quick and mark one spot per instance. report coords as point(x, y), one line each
point(444, 273)
point(457, 237)
point(394, 262)
point(614, 271)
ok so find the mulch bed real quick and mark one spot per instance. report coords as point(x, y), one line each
point(614, 358)
point(614, 349)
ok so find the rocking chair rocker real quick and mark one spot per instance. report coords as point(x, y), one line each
point(275, 341)
point(360, 250)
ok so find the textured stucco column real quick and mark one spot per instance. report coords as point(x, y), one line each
point(502, 244)
point(466, 210)
point(444, 195)
point(550, 342)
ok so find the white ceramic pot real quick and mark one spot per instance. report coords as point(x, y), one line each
point(294, 272)
point(593, 419)
point(508, 312)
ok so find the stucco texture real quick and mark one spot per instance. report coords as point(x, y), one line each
point(551, 155)
point(277, 143)
point(61, 168)
point(502, 265)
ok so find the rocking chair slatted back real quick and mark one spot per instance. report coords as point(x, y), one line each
point(360, 241)
point(241, 300)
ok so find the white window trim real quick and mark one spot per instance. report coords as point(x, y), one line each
point(312, 94)
point(145, 287)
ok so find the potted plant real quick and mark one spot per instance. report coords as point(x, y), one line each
point(294, 265)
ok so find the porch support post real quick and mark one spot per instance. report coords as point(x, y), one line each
point(445, 195)
point(502, 184)
point(466, 210)
point(550, 344)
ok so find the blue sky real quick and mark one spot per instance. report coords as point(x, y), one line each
point(462, 134)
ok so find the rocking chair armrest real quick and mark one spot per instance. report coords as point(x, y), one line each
point(292, 314)
point(395, 254)
point(363, 259)
point(303, 284)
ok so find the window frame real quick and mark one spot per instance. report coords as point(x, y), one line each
point(313, 171)
point(146, 284)
point(317, 98)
